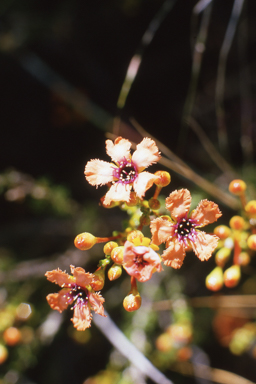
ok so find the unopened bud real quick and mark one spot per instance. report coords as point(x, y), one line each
point(164, 342)
point(132, 302)
point(222, 256)
point(222, 231)
point(251, 242)
point(98, 280)
point(237, 187)
point(114, 272)
point(3, 353)
point(243, 259)
point(134, 200)
point(232, 276)
point(163, 178)
point(214, 281)
point(12, 336)
point(250, 208)
point(136, 234)
point(85, 241)
point(117, 255)
point(237, 222)
point(154, 203)
point(108, 247)
point(144, 219)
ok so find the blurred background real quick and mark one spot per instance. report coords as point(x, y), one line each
point(73, 73)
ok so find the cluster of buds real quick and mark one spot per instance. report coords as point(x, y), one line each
point(237, 242)
point(130, 250)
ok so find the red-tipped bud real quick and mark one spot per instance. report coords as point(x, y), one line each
point(237, 187)
point(114, 272)
point(222, 231)
point(163, 178)
point(154, 204)
point(243, 259)
point(250, 208)
point(85, 241)
point(117, 255)
point(251, 242)
point(132, 302)
point(232, 276)
point(222, 256)
point(108, 247)
point(3, 353)
point(12, 336)
point(237, 222)
point(214, 281)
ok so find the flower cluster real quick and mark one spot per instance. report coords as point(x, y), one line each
point(237, 242)
point(130, 251)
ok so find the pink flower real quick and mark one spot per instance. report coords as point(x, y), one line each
point(126, 171)
point(76, 290)
point(181, 231)
point(140, 261)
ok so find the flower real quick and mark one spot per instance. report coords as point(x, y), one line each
point(126, 171)
point(75, 290)
point(181, 231)
point(141, 261)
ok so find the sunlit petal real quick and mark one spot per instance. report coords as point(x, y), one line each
point(143, 182)
point(204, 245)
point(96, 302)
point(206, 212)
point(59, 277)
point(146, 153)
point(59, 301)
point(162, 230)
point(82, 317)
point(119, 149)
point(178, 203)
point(174, 255)
point(98, 172)
point(118, 192)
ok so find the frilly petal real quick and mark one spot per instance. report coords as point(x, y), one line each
point(178, 203)
point(204, 245)
point(59, 277)
point(119, 149)
point(96, 302)
point(118, 192)
point(98, 172)
point(82, 317)
point(174, 255)
point(143, 182)
point(162, 230)
point(146, 154)
point(206, 212)
point(82, 278)
point(59, 301)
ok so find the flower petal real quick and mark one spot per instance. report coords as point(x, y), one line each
point(118, 192)
point(146, 154)
point(59, 277)
point(96, 302)
point(98, 172)
point(59, 301)
point(143, 182)
point(204, 245)
point(206, 212)
point(162, 230)
point(178, 203)
point(82, 278)
point(82, 317)
point(119, 149)
point(174, 255)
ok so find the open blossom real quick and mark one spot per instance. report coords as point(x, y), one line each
point(76, 291)
point(126, 171)
point(141, 261)
point(181, 231)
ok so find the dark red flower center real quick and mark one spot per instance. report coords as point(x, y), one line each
point(126, 172)
point(77, 295)
point(185, 229)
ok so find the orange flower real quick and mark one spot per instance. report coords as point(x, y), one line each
point(127, 170)
point(140, 261)
point(180, 232)
point(75, 290)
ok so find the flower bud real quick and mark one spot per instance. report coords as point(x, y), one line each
point(222, 231)
point(144, 219)
point(98, 279)
point(237, 187)
point(134, 200)
point(108, 247)
point(3, 353)
point(214, 281)
point(243, 259)
point(134, 235)
point(164, 342)
point(114, 272)
point(12, 336)
point(237, 222)
point(132, 302)
point(184, 353)
point(85, 241)
point(232, 276)
point(117, 255)
point(250, 208)
point(222, 256)
point(154, 204)
point(251, 242)
point(163, 178)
